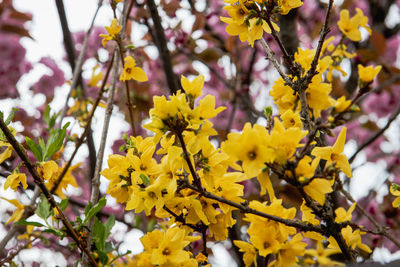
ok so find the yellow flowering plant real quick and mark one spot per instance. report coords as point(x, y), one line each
point(274, 188)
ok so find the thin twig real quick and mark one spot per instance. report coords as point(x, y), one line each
point(39, 181)
point(77, 69)
point(270, 57)
point(324, 32)
point(161, 44)
point(376, 135)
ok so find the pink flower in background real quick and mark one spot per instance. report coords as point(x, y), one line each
point(13, 65)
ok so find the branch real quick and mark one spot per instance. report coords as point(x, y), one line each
point(376, 135)
point(39, 181)
point(161, 44)
point(324, 32)
point(270, 57)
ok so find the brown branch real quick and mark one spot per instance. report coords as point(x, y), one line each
point(161, 44)
point(324, 32)
point(39, 181)
point(376, 135)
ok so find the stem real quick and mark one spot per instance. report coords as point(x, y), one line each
point(270, 57)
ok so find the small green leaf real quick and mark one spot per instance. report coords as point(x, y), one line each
point(98, 235)
point(43, 209)
point(145, 179)
point(96, 208)
point(55, 141)
point(150, 225)
point(36, 150)
point(53, 231)
point(10, 116)
point(23, 222)
point(268, 111)
point(109, 225)
point(63, 204)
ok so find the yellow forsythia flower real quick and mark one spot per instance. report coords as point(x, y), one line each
point(334, 154)
point(368, 74)
point(349, 26)
point(318, 188)
point(286, 5)
point(342, 215)
point(18, 212)
point(14, 179)
point(194, 87)
point(113, 30)
point(131, 71)
point(395, 191)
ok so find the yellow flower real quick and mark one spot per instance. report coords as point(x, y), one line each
point(395, 191)
point(282, 95)
point(368, 74)
point(16, 216)
point(341, 104)
point(113, 31)
point(50, 172)
point(342, 215)
point(318, 188)
point(131, 72)
point(305, 168)
point(14, 179)
point(168, 248)
point(6, 153)
point(290, 251)
point(322, 255)
point(95, 78)
point(318, 95)
point(334, 154)
point(286, 5)
point(249, 252)
point(350, 27)
point(307, 214)
point(284, 141)
point(250, 147)
point(352, 238)
point(194, 87)
point(291, 119)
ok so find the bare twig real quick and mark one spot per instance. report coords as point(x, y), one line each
point(270, 57)
point(79, 63)
point(324, 32)
point(161, 44)
point(376, 135)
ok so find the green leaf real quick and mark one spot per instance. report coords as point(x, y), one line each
point(150, 225)
point(53, 231)
point(109, 225)
point(36, 150)
point(145, 179)
point(55, 141)
point(46, 115)
point(10, 116)
point(23, 222)
point(96, 208)
point(98, 235)
point(63, 204)
point(43, 209)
